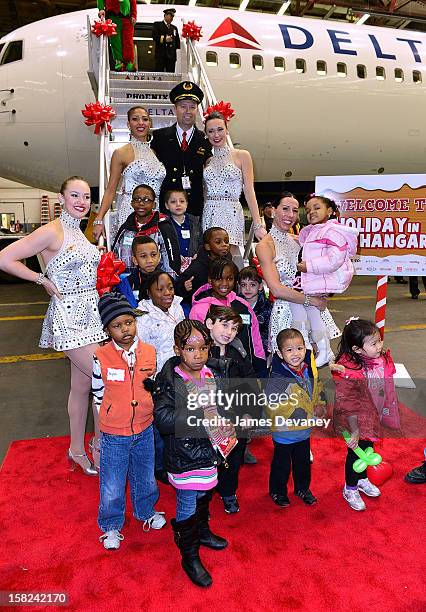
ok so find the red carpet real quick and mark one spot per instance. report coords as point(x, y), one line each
point(326, 557)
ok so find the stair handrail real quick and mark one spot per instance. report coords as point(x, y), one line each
point(99, 67)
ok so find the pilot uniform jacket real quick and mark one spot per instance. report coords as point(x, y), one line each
point(165, 52)
point(167, 148)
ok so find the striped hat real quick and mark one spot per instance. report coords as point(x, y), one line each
point(112, 306)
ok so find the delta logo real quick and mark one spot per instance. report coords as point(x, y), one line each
point(231, 34)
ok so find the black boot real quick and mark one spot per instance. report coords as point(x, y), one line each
point(187, 539)
point(207, 538)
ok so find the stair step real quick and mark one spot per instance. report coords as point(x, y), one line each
point(156, 110)
point(119, 96)
point(120, 129)
point(146, 76)
point(149, 84)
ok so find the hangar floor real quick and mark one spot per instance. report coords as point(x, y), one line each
point(34, 382)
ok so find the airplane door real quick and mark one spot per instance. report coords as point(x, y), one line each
point(144, 47)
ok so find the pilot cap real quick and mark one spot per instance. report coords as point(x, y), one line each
point(186, 91)
point(169, 11)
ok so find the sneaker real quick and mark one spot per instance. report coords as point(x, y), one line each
point(231, 504)
point(353, 498)
point(367, 487)
point(281, 500)
point(306, 497)
point(157, 521)
point(249, 458)
point(111, 539)
point(417, 475)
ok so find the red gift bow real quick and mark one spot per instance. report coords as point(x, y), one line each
point(106, 28)
point(109, 270)
point(191, 30)
point(223, 107)
point(99, 115)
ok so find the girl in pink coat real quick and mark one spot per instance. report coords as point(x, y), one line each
point(222, 276)
point(326, 267)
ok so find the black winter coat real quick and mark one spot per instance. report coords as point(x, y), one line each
point(167, 148)
point(198, 268)
point(241, 374)
point(182, 454)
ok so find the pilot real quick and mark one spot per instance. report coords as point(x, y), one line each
point(166, 37)
point(183, 148)
point(123, 14)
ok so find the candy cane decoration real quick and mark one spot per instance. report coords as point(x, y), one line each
point(382, 288)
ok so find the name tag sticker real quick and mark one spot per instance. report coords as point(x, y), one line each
point(115, 374)
point(186, 183)
point(186, 234)
point(128, 240)
point(245, 318)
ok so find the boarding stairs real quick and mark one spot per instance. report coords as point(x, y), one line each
point(122, 90)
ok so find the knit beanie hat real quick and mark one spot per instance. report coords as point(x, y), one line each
point(112, 306)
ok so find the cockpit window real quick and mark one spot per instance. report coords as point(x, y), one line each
point(13, 52)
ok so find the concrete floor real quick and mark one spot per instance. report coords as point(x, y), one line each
point(33, 394)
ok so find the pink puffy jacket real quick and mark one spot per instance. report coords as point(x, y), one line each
point(327, 249)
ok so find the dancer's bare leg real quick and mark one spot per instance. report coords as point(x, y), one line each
point(237, 258)
point(81, 381)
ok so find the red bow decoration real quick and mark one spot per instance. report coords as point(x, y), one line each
point(109, 270)
point(191, 30)
point(104, 28)
point(222, 107)
point(99, 115)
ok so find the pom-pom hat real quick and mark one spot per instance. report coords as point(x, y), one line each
point(112, 306)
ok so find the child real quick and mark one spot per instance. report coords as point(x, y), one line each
point(293, 375)
point(224, 324)
point(365, 396)
point(222, 276)
point(215, 245)
point(145, 221)
point(160, 313)
point(121, 369)
point(191, 461)
point(145, 259)
point(327, 247)
point(251, 289)
point(187, 226)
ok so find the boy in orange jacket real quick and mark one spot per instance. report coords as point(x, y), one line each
point(121, 369)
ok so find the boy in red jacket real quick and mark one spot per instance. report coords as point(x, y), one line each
point(121, 369)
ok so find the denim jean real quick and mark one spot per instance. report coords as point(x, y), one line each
point(186, 503)
point(159, 450)
point(121, 457)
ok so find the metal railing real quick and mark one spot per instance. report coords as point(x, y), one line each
point(98, 75)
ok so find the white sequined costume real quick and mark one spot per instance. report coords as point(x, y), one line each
point(73, 321)
point(223, 184)
point(286, 253)
point(145, 169)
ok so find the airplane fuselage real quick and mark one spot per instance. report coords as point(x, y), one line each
point(311, 97)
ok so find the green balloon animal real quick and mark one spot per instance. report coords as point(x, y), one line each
point(366, 457)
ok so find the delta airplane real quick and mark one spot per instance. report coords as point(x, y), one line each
point(311, 97)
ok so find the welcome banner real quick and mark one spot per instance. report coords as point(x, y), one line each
point(390, 213)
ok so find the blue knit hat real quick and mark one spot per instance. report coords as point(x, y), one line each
point(112, 306)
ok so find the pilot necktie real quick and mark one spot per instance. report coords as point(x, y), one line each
point(184, 143)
